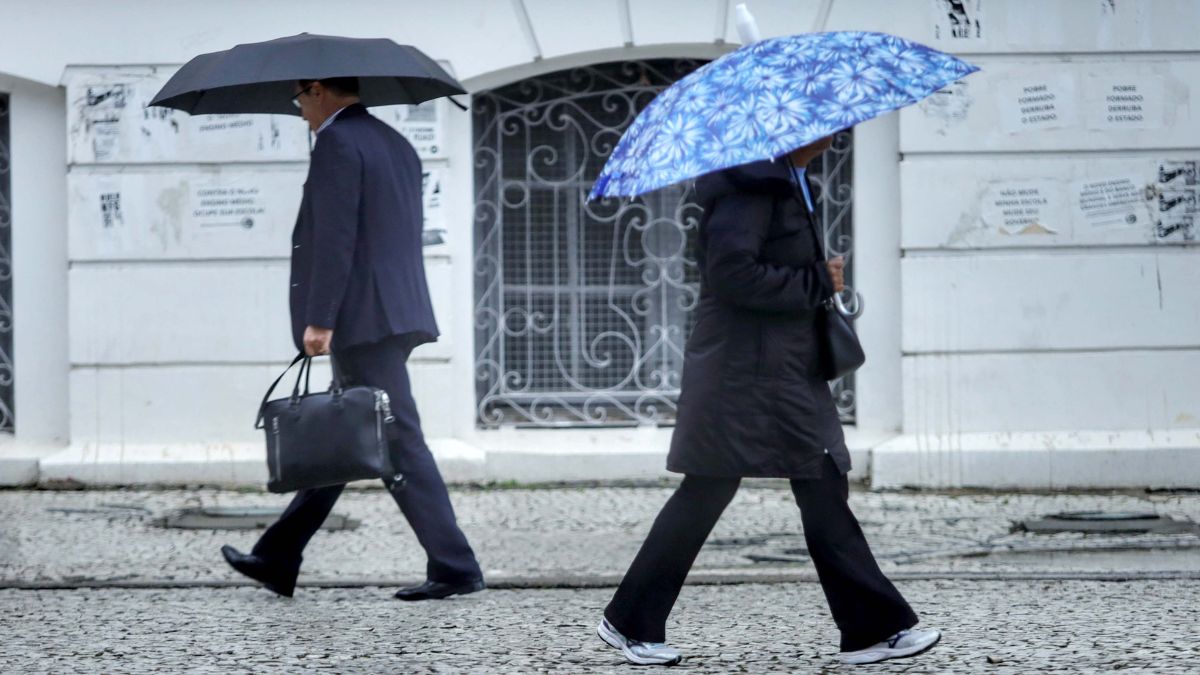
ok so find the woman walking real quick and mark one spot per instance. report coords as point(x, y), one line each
point(752, 404)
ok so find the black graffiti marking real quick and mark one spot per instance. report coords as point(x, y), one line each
point(110, 209)
point(1185, 224)
point(1168, 203)
point(96, 96)
point(960, 21)
point(1169, 171)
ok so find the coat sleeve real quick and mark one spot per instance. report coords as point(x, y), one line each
point(335, 184)
point(735, 233)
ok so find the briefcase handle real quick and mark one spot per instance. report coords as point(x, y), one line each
point(304, 375)
point(305, 367)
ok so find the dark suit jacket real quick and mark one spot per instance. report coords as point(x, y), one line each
point(356, 251)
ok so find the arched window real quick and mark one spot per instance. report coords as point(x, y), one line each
point(582, 310)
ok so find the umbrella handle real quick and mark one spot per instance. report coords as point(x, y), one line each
point(855, 308)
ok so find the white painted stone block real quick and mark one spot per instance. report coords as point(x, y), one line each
point(147, 313)
point(204, 312)
point(1039, 201)
point(109, 122)
point(237, 463)
point(173, 404)
point(19, 460)
point(1059, 104)
point(208, 213)
point(438, 401)
point(177, 464)
point(182, 404)
point(550, 455)
point(1085, 300)
point(1042, 391)
point(1051, 460)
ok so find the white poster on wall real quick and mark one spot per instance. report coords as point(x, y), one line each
point(434, 233)
point(1036, 101)
point(1125, 101)
point(182, 214)
point(423, 126)
point(1116, 201)
point(1024, 207)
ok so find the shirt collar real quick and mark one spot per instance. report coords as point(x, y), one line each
point(331, 119)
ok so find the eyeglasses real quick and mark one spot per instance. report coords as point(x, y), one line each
point(296, 98)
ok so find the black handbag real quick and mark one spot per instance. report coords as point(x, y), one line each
point(840, 352)
point(326, 438)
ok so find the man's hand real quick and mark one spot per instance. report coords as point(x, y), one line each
point(317, 340)
point(837, 272)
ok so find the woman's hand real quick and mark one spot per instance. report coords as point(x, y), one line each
point(837, 272)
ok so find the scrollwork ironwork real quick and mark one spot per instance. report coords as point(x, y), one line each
point(582, 310)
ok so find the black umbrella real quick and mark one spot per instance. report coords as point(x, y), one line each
point(260, 77)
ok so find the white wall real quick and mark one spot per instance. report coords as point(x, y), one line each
point(179, 234)
point(39, 212)
point(1051, 322)
point(969, 329)
point(1009, 258)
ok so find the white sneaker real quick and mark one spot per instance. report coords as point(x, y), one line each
point(640, 653)
point(905, 643)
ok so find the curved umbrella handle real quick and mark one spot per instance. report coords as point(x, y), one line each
point(854, 309)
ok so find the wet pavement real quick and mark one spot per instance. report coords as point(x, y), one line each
point(572, 534)
point(990, 627)
point(90, 581)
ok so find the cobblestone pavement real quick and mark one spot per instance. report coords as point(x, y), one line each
point(990, 627)
point(48, 536)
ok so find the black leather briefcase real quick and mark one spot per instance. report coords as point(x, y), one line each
point(326, 438)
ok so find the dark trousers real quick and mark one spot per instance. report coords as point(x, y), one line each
point(423, 498)
point(866, 607)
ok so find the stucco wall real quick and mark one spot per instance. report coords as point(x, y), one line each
point(977, 328)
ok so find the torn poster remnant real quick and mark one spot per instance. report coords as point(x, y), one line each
point(1023, 207)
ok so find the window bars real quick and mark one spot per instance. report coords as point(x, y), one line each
point(582, 310)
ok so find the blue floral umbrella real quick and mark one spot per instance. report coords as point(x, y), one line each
point(769, 98)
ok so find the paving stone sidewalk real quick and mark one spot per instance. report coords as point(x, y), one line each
point(991, 627)
point(564, 533)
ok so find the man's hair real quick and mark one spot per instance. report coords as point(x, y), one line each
point(345, 86)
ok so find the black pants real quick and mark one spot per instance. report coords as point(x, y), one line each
point(423, 499)
point(866, 607)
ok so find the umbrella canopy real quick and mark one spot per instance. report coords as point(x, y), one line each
point(769, 98)
point(260, 77)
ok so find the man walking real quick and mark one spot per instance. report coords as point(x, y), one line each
point(358, 291)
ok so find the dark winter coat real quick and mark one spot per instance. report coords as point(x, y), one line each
point(357, 265)
point(751, 401)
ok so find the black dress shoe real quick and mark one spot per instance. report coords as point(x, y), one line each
point(436, 590)
point(281, 581)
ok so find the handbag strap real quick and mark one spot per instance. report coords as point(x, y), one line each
point(798, 194)
point(262, 409)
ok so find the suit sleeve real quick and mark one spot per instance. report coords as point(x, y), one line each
point(735, 234)
point(336, 192)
